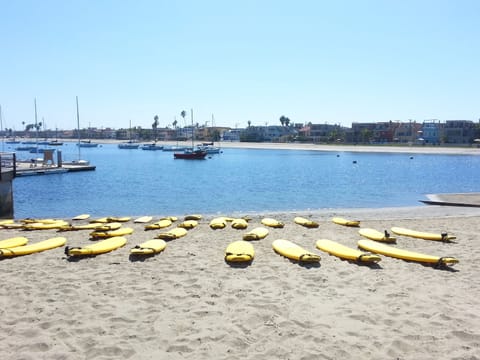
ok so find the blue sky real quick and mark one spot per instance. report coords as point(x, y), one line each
point(333, 62)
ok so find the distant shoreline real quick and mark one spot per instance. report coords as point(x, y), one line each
point(414, 149)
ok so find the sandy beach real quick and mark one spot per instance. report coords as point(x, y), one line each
point(403, 148)
point(187, 302)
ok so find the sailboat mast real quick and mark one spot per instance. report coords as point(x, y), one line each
point(36, 125)
point(78, 128)
point(193, 129)
point(1, 127)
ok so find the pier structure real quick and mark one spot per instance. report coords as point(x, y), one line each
point(10, 168)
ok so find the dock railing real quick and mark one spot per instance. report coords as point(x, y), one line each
point(8, 165)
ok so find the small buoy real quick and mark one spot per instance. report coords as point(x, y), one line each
point(411, 157)
point(338, 155)
point(354, 161)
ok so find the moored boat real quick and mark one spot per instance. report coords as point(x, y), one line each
point(191, 155)
point(152, 147)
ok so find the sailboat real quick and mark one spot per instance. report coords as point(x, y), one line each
point(210, 147)
point(79, 161)
point(85, 143)
point(191, 154)
point(130, 144)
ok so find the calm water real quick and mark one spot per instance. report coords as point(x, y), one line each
point(138, 182)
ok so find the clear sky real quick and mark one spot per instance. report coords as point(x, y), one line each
point(316, 61)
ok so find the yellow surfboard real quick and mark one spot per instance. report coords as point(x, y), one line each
point(346, 222)
point(256, 234)
point(39, 221)
point(33, 248)
point(239, 251)
point(100, 247)
point(171, 218)
point(111, 233)
point(345, 252)
point(149, 247)
point(175, 233)
point(305, 222)
point(218, 223)
point(294, 251)
point(373, 234)
point(118, 219)
point(13, 242)
point(6, 222)
point(272, 223)
point(91, 226)
point(391, 251)
point(160, 224)
point(13, 225)
point(188, 224)
point(143, 219)
point(239, 224)
point(45, 226)
point(422, 235)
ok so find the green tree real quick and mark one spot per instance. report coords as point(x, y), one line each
point(154, 127)
point(183, 114)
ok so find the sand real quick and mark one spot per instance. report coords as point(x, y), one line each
point(188, 303)
point(398, 148)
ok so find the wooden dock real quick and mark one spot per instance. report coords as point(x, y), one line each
point(29, 169)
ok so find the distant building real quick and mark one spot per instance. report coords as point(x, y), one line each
point(458, 131)
point(431, 132)
point(232, 135)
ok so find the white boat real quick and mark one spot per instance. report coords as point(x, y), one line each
point(128, 145)
point(175, 148)
point(78, 162)
point(87, 144)
point(131, 144)
point(209, 148)
point(152, 147)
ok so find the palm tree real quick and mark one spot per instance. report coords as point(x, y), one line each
point(249, 123)
point(183, 114)
point(154, 127)
point(282, 120)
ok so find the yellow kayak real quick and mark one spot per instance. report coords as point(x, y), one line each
point(239, 251)
point(256, 234)
point(13, 242)
point(45, 226)
point(175, 233)
point(111, 233)
point(193, 217)
point(100, 247)
point(391, 251)
point(33, 248)
point(272, 223)
point(188, 224)
point(305, 222)
point(294, 251)
point(239, 224)
point(346, 222)
point(149, 247)
point(373, 234)
point(218, 223)
point(423, 235)
point(344, 252)
point(161, 224)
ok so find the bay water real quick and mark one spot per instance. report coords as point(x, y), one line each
point(139, 182)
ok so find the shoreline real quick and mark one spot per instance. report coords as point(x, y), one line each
point(414, 149)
